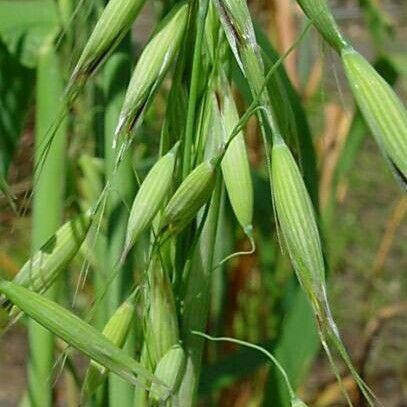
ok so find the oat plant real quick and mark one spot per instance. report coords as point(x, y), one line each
point(189, 156)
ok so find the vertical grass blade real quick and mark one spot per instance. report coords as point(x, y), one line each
point(47, 213)
point(197, 300)
point(116, 74)
point(197, 22)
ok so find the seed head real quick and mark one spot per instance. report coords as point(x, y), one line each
point(161, 313)
point(382, 109)
point(170, 370)
point(44, 267)
point(236, 169)
point(110, 29)
point(191, 195)
point(116, 331)
point(238, 27)
point(296, 219)
point(150, 197)
point(151, 68)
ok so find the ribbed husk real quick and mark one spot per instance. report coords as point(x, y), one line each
point(91, 183)
point(80, 335)
point(296, 221)
point(116, 330)
point(191, 195)
point(382, 109)
point(211, 130)
point(112, 26)
point(150, 197)
point(319, 13)
point(151, 67)
point(236, 168)
point(170, 370)
point(44, 267)
point(161, 325)
point(237, 24)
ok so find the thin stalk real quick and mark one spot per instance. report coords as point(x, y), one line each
point(273, 359)
point(354, 139)
point(254, 72)
point(195, 78)
point(47, 214)
point(115, 80)
point(197, 301)
point(259, 104)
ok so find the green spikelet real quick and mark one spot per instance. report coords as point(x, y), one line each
point(150, 197)
point(151, 68)
point(296, 219)
point(236, 169)
point(44, 267)
point(382, 109)
point(116, 331)
point(191, 195)
point(169, 370)
point(297, 223)
point(161, 313)
point(112, 26)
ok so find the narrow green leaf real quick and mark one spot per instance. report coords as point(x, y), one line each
point(116, 330)
point(79, 334)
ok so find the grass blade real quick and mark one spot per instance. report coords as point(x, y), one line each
point(47, 210)
point(79, 334)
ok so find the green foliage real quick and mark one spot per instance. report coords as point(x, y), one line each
point(28, 28)
point(16, 88)
point(211, 142)
point(78, 334)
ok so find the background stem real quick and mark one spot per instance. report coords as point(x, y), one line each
point(115, 80)
point(47, 214)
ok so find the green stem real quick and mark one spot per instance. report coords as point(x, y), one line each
point(258, 348)
point(254, 72)
point(192, 100)
point(197, 301)
point(47, 214)
point(115, 81)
